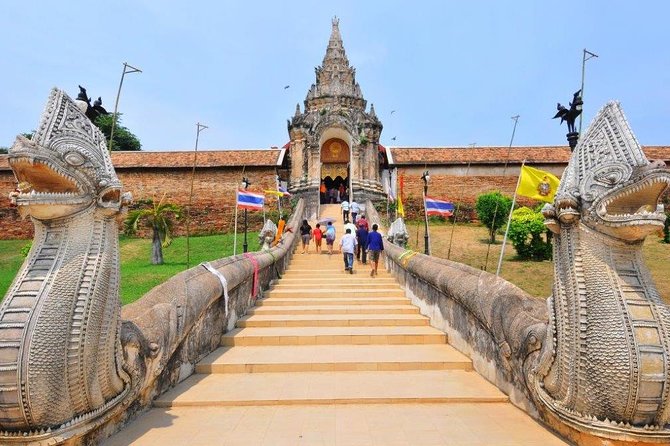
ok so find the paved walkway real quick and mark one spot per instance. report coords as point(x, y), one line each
point(329, 358)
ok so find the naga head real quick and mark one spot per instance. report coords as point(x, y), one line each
point(609, 184)
point(65, 168)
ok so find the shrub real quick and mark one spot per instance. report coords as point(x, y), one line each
point(666, 228)
point(525, 232)
point(25, 249)
point(492, 210)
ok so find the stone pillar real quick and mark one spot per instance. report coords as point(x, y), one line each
point(297, 148)
point(314, 168)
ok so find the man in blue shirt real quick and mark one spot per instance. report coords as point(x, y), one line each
point(375, 247)
point(361, 250)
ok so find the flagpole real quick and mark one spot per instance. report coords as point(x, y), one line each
point(235, 236)
point(199, 128)
point(278, 196)
point(495, 212)
point(237, 190)
point(584, 59)
point(395, 194)
point(458, 207)
point(509, 220)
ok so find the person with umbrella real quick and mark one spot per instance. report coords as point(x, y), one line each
point(330, 237)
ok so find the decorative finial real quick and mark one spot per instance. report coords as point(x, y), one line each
point(297, 109)
point(372, 110)
point(335, 21)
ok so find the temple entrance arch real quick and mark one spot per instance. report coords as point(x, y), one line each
point(335, 163)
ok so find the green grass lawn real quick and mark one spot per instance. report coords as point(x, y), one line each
point(469, 245)
point(138, 275)
point(10, 262)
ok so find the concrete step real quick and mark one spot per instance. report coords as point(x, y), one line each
point(334, 309)
point(319, 281)
point(335, 271)
point(275, 301)
point(359, 284)
point(332, 335)
point(319, 292)
point(337, 425)
point(331, 320)
point(312, 358)
point(255, 389)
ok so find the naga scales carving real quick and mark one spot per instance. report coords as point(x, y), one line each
point(607, 369)
point(60, 354)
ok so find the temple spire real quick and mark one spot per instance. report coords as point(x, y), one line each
point(335, 78)
point(335, 52)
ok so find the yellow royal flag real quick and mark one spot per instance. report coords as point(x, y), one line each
point(537, 184)
point(274, 192)
point(399, 208)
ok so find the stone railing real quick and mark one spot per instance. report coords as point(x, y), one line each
point(499, 326)
point(178, 323)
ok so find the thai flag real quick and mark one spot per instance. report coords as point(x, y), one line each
point(249, 200)
point(438, 207)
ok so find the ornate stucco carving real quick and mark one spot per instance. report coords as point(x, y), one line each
point(335, 101)
point(607, 370)
point(60, 355)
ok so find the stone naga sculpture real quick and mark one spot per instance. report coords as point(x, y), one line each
point(605, 366)
point(267, 234)
point(398, 234)
point(61, 362)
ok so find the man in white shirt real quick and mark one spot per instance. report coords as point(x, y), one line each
point(351, 226)
point(348, 246)
point(345, 210)
point(355, 209)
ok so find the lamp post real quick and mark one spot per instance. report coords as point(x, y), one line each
point(245, 185)
point(426, 246)
point(126, 69)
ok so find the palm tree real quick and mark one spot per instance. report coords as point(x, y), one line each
point(160, 217)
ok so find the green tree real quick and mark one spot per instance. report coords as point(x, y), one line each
point(666, 228)
point(492, 210)
point(124, 140)
point(160, 218)
point(3, 150)
point(525, 232)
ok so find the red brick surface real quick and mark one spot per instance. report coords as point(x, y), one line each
point(497, 155)
point(213, 196)
point(219, 173)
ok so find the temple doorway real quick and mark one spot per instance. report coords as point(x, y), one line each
point(334, 190)
point(334, 171)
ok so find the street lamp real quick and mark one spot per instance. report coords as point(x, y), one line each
point(426, 178)
point(126, 69)
point(245, 185)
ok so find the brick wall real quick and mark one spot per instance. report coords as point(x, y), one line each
point(214, 191)
point(457, 188)
point(213, 196)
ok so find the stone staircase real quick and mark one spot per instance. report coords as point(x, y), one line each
point(328, 358)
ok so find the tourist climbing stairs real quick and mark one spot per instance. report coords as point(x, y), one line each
point(331, 358)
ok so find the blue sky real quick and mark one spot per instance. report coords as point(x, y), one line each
point(454, 71)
